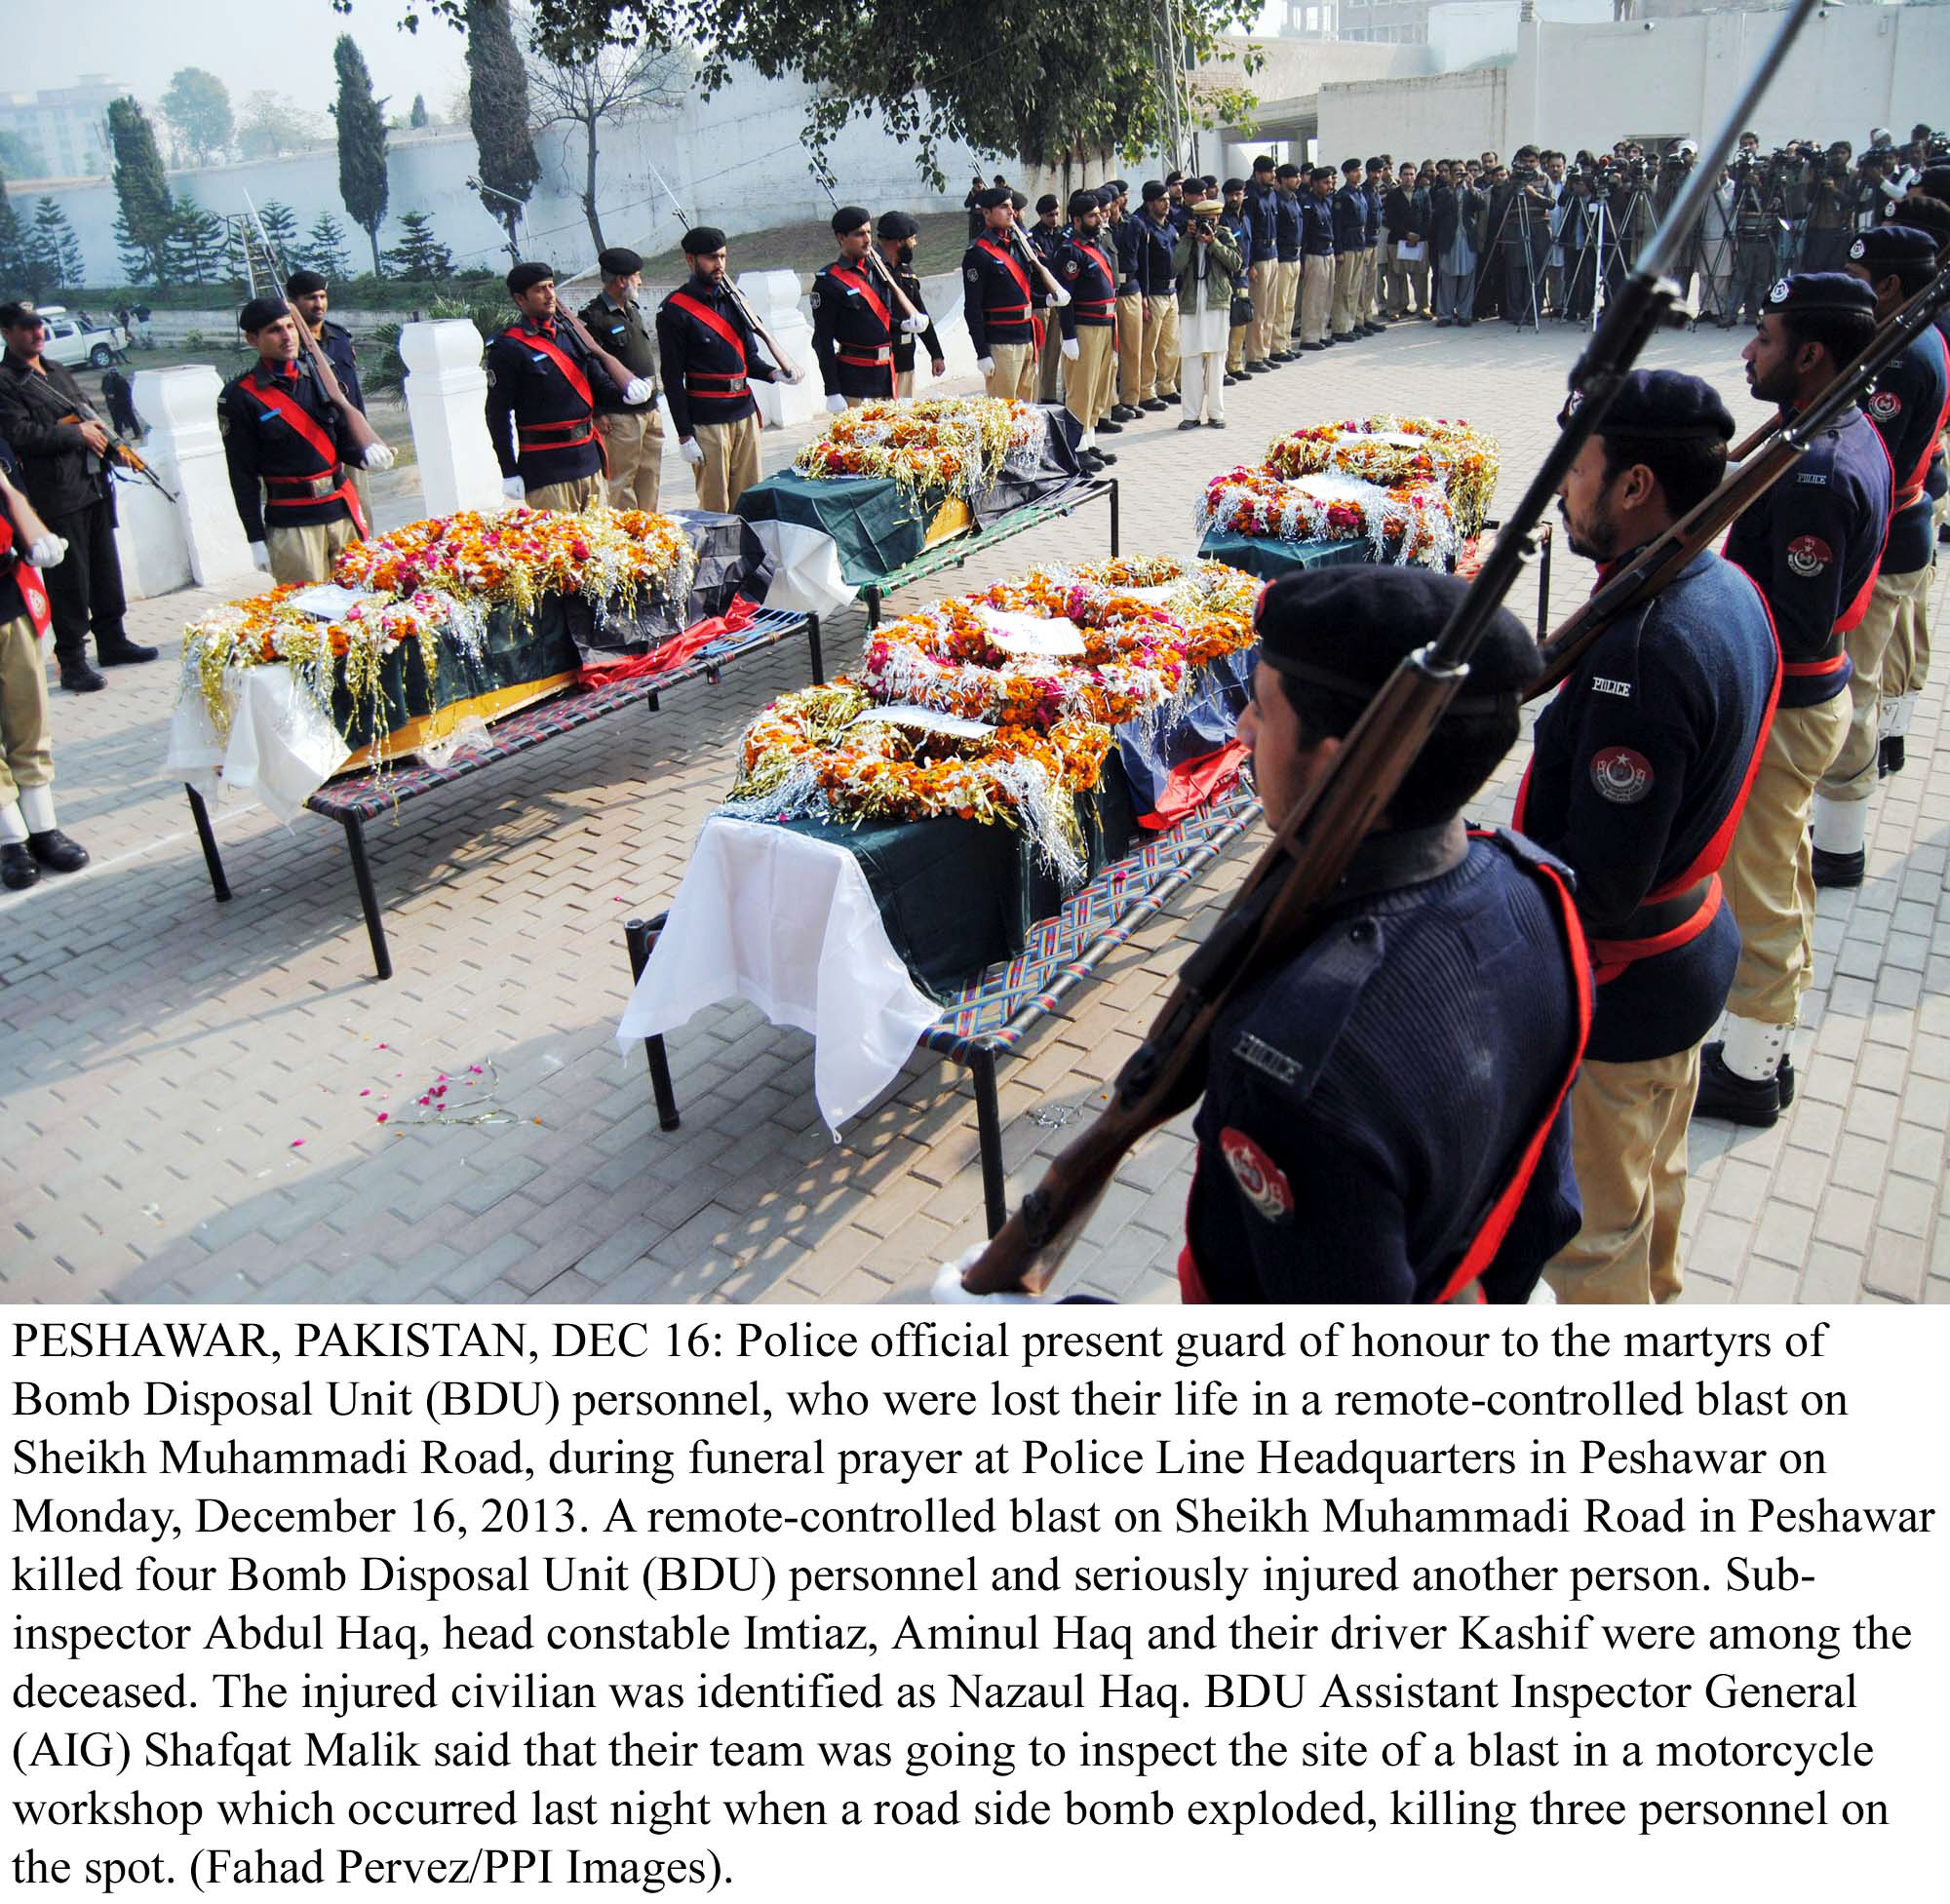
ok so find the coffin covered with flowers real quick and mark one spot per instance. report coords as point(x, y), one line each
point(1380, 488)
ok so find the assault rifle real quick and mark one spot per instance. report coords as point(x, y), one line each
point(1273, 915)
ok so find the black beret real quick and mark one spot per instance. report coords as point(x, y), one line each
point(701, 241)
point(1663, 404)
point(995, 195)
point(1828, 294)
point(259, 312)
point(1108, 194)
point(619, 261)
point(1265, 162)
point(1047, 202)
point(1350, 165)
point(302, 281)
point(1287, 171)
point(1120, 186)
point(1892, 248)
point(17, 315)
point(1155, 190)
point(1345, 629)
point(1321, 172)
point(524, 277)
point(1236, 184)
point(896, 225)
point(850, 217)
point(1084, 202)
point(1020, 199)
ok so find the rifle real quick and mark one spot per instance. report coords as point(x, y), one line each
point(123, 457)
point(362, 432)
point(618, 371)
point(1030, 252)
point(876, 265)
point(1782, 445)
point(1272, 917)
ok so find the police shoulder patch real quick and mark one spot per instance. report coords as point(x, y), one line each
point(1621, 774)
point(1261, 1180)
point(1884, 405)
point(815, 300)
point(1808, 556)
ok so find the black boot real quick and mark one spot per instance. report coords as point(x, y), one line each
point(1889, 755)
point(77, 676)
point(1107, 428)
point(122, 652)
point(1838, 868)
point(1736, 1099)
point(18, 870)
point(56, 851)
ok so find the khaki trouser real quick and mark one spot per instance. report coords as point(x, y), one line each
point(1265, 278)
point(1316, 299)
point(1286, 282)
point(904, 383)
point(633, 439)
point(1235, 347)
point(1052, 355)
point(1906, 659)
point(1130, 350)
point(573, 497)
point(306, 555)
point(1769, 870)
point(1086, 378)
point(1628, 1150)
point(1161, 344)
point(27, 757)
point(1347, 292)
point(1851, 775)
point(1204, 387)
point(730, 463)
point(1015, 371)
point(1370, 273)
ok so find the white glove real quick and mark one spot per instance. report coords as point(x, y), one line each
point(916, 323)
point(690, 453)
point(637, 391)
point(835, 403)
point(797, 375)
point(947, 1288)
point(514, 489)
point(260, 557)
point(1072, 349)
point(986, 365)
point(378, 456)
point(1060, 296)
point(48, 552)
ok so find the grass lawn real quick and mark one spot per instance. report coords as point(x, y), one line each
point(805, 247)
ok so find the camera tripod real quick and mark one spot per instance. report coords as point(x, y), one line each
point(1604, 244)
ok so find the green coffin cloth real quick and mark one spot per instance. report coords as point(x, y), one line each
point(956, 895)
point(871, 518)
point(1268, 557)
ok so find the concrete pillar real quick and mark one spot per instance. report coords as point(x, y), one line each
point(773, 296)
point(446, 393)
point(185, 448)
point(149, 539)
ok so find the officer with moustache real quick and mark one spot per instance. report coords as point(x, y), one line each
point(855, 319)
point(997, 301)
point(633, 439)
point(1048, 240)
point(898, 234)
point(1089, 322)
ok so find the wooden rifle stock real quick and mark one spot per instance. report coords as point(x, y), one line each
point(618, 371)
point(760, 331)
point(1030, 253)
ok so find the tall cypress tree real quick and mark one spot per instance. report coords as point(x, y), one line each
point(16, 263)
point(498, 108)
point(148, 216)
point(361, 143)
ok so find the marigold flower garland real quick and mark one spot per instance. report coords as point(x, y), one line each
point(932, 446)
point(1413, 523)
point(1395, 453)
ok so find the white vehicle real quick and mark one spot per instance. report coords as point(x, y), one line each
point(70, 341)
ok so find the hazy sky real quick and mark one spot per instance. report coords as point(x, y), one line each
point(286, 50)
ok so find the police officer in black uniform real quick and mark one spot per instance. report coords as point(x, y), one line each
point(854, 317)
point(998, 299)
point(1370, 1103)
point(898, 232)
point(1087, 266)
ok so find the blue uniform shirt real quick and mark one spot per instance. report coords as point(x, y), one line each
point(1286, 227)
point(1263, 222)
point(1316, 226)
point(1350, 218)
point(1907, 409)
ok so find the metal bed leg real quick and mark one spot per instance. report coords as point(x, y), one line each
point(653, 702)
point(812, 644)
point(640, 936)
point(207, 834)
point(1115, 517)
point(872, 597)
point(1544, 543)
point(369, 899)
point(988, 1128)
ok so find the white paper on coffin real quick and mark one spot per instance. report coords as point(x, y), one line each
point(791, 924)
point(929, 720)
point(328, 601)
point(805, 569)
point(1055, 637)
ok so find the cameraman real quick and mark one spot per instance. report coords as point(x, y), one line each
point(1756, 226)
point(1830, 212)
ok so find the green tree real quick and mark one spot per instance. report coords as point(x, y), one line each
point(17, 265)
point(54, 246)
point(21, 157)
point(417, 255)
point(199, 247)
point(417, 118)
point(324, 249)
point(198, 105)
point(149, 213)
point(361, 143)
point(497, 110)
point(281, 227)
point(273, 126)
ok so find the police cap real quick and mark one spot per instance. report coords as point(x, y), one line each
point(1287, 171)
point(1667, 405)
point(1886, 249)
point(1235, 185)
point(526, 277)
point(995, 195)
point(701, 241)
point(1047, 202)
point(849, 218)
point(1155, 190)
point(1122, 187)
point(1020, 199)
point(259, 312)
point(619, 261)
point(1084, 202)
point(1824, 293)
point(896, 225)
point(300, 283)
point(1321, 172)
point(1108, 195)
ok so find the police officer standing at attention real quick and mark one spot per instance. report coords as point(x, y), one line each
point(1813, 544)
point(1240, 330)
point(291, 455)
point(309, 294)
point(1372, 1104)
point(632, 438)
point(1125, 235)
point(1639, 768)
point(997, 298)
point(706, 350)
point(854, 322)
point(1287, 252)
point(898, 232)
point(1049, 239)
point(1263, 262)
point(1316, 265)
point(544, 391)
point(1089, 322)
point(1157, 239)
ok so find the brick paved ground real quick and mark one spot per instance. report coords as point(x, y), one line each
point(164, 1055)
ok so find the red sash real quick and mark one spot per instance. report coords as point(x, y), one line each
point(1109, 303)
point(312, 431)
point(1015, 271)
point(27, 579)
point(570, 370)
point(711, 321)
point(866, 290)
point(1912, 487)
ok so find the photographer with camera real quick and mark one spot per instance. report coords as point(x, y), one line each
point(1756, 227)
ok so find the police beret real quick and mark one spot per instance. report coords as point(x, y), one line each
point(259, 312)
point(1829, 294)
point(526, 277)
point(1236, 184)
point(1345, 629)
point(1155, 190)
point(1265, 162)
point(1046, 202)
point(17, 315)
point(1020, 199)
point(1287, 171)
point(995, 196)
point(1120, 186)
point(1108, 195)
point(1663, 404)
point(1892, 248)
point(850, 217)
point(1321, 172)
point(300, 283)
point(896, 225)
point(619, 261)
point(701, 241)
point(1084, 202)
point(1350, 165)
